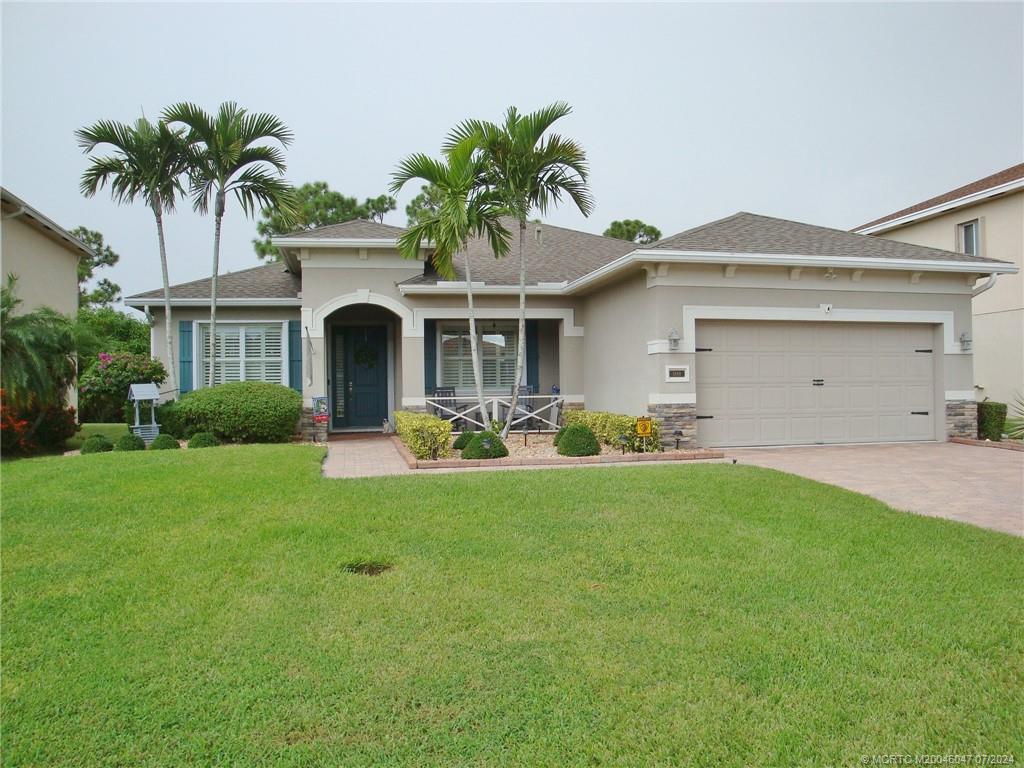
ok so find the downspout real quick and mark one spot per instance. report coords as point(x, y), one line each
point(985, 286)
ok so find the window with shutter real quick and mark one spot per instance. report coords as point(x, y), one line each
point(497, 346)
point(245, 352)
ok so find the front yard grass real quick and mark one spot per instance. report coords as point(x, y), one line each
point(231, 607)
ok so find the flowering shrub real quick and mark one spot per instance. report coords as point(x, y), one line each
point(28, 430)
point(103, 388)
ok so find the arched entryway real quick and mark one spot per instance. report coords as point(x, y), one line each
point(362, 344)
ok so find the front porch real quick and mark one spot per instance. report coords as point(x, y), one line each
point(367, 360)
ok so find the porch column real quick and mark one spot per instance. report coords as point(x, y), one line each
point(412, 389)
point(570, 368)
point(314, 384)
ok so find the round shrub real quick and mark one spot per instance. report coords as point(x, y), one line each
point(203, 440)
point(578, 440)
point(97, 444)
point(558, 434)
point(164, 443)
point(463, 440)
point(130, 442)
point(485, 445)
point(242, 412)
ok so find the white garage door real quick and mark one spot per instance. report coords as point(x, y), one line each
point(774, 383)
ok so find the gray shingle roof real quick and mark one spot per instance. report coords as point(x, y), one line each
point(558, 255)
point(357, 228)
point(750, 233)
point(270, 281)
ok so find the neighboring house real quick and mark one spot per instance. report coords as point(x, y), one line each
point(745, 331)
point(44, 258)
point(984, 218)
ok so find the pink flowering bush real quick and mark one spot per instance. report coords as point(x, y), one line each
point(103, 388)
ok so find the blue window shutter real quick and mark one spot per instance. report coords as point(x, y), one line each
point(295, 355)
point(429, 356)
point(185, 356)
point(532, 355)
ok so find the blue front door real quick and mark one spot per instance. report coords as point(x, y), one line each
point(359, 380)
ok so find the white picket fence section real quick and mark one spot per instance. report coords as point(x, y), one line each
point(536, 412)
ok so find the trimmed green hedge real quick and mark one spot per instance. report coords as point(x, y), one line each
point(130, 442)
point(991, 420)
point(463, 440)
point(164, 443)
point(427, 437)
point(203, 440)
point(485, 445)
point(578, 440)
point(97, 444)
point(239, 412)
point(607, 427)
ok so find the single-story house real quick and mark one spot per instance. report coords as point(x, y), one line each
point(983, 218)
point(749, 330)
point(44, 258)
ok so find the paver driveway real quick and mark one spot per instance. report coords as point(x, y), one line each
point(973, 484)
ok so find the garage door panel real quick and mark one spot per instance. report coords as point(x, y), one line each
point(772, 366)
point(834, 429)
point(802, 398)
point(742, 399)
point(773, 399)
point(757, 382)
point(833, 398)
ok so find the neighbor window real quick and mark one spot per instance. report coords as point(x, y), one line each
point(497, 347)
point(969, 240)
point(245, 352)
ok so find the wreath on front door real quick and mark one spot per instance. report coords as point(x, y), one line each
point(365, 355)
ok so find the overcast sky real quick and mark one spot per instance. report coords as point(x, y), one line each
point(829, 114)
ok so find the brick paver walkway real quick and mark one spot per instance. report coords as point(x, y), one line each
point(973, 484)
point(363, 456)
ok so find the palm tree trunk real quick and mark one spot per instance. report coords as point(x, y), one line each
point(521, 345)
point(474, 350)
point(172, 369)
point(218, 216)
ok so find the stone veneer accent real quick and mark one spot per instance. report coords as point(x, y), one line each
point(310, 431)
point(672, 417)
point(961, 418)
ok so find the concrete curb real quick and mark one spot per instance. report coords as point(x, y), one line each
point(1006, 446)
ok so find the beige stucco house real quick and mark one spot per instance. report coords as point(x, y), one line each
point(44, 258)
point(749, 330)
point(984, 218)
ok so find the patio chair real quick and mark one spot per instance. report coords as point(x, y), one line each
point(444, 397)
point(525, 408)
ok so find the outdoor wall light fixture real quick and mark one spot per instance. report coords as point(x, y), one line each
point(965, 342)
point(673, 340)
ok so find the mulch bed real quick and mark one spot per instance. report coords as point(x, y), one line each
point(531, 458)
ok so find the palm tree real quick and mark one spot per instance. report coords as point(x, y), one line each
point(225, 159)
point(148, 164)
point(465, 208)
point(37, 353)
point(526, 170)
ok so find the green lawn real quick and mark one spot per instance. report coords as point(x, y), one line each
point(196, 608)
point(85, 431)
